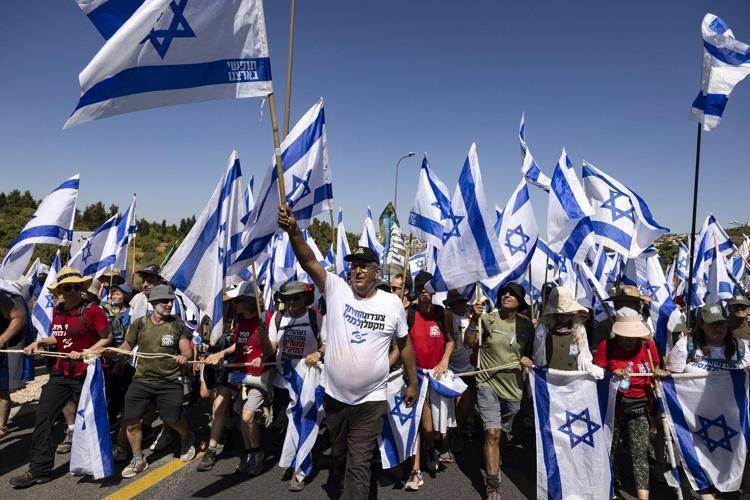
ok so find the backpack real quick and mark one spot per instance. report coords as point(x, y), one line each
point(312, 317)
point(439, 317)
point(81, 315)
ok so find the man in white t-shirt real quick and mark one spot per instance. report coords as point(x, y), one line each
point(360, 321)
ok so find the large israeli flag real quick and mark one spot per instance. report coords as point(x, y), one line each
point(175, 52)
point(621, 219)
point(41, 315)
point(431, 209)
point(99, 251)
point(307, 180)
point(726, 62)
point(369, 238)
point(574, 420)
point(342, 247)
point(401, 425)
point(199, 266)
point(471, 251)
point(529, 168)
point(91, 452)
point(52, 223)
point(569, 228)
point(305, 384)
point(709, 420)
point(108, 16)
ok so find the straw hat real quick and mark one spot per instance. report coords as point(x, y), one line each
point(561, 301)
point(627, 292)
point(69, 275)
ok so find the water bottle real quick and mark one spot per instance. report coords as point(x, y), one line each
point(625, 383)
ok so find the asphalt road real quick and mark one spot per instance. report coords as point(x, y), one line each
point(167, 477)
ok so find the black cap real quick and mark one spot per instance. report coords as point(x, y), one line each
point(152, 269)
point(365, 254)
point(518, 291)
point(421, 279)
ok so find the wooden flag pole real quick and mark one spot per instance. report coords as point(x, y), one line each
point(256, 289)
point(692, 227)
point(288, 92)
point(333, 241)
point(531, 294)
point(277, 147)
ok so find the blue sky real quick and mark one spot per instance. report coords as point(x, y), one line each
point(610, 81)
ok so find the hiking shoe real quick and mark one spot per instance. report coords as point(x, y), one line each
point(136, 466)
point(119, 453)
point(416, 480)
point(208, 460)
point(296, 485)
point(187, 448)
point(255, 463)
point(493, 492)
point(432, 462)
point(67, 443)
point(244, 463)
point(28, 479)
point(446, 457)
point(163, 441)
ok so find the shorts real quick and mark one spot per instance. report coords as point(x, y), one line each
point(496, 412)
point(253, 400)
point(166, 396)
point(214, 376)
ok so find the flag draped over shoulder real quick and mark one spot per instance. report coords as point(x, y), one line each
point(726, 62)
point(91, 452)
point(709, 419)
point(52, 223)
point(401, 425)
point(574, 420)
point(175, 52)
point(199, 266)
point(41, 315)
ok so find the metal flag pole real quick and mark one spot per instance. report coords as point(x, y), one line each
point(689, 299)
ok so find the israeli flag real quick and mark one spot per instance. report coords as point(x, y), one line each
point(307, 180)
point(52, 223)
point(249, 199)
point(574, 420)
point(443, 392)
point(305, 384)
point(369, 238)
point(518, 238)
point(498, 220)
point(719, 286)
point(592, 293)
point(282, 267)
point(108, 16)
point(670, 275)
point(431, 209)
point(418, 263)
point(569, 229)
point(401, 425)
point(41, 315)
point(683, 256)
point(621, 219)
point(199, 266)
point(125, 233)
point(342, 247)
point(709, 420)
point(99, 251)
point(529, 168)
point(91, 452)
point(543, 267)
point(301, 274)
point(472, 251)
point(175, 52)
point(647, 274)
point(726, 62)
point(712, 236)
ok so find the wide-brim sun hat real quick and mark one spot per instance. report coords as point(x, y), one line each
point(627, 292)
point(70, 276)
point(244, 289)
point(518, 292)
point(561, 301)
point(630, 327)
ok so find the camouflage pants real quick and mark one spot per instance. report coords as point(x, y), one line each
point(637, 429)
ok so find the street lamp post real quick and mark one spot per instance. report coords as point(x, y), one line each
point(395, 191)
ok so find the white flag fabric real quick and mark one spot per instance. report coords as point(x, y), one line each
point(108, 16)
point(91, 452)
point(529, 168)
point(52, 223)
point(569, 229)
point(431, 208)
point(282, 267)
point(543, 268)
point(99, 251)
point(719, 286)
point(471, 251)
point(369, 238)
point(342, 247)
point(199, 266)
point(574, 420)
point(305, 384)
point(711, 235)
point(125, 233)
point(301, 274)
point(621, 220)
point(307, 180)
point(709, 420)
point(726, 62)
point(41, 315)
point(401, 424)
point(443, 392)
point(175, 52)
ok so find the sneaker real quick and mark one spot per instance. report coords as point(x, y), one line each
point(208, 460)
point(244, 464)
point(446, 457)
point(136, 466)
point(119, 453)
point(163, 440)
point(187, 448)
point(416, 480)
point(432, 462)
point(67, 443)
point(296, 485)
point(255, 463)
point(493, 492)
point(28, 479)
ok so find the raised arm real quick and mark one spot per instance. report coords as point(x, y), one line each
point(302, 251)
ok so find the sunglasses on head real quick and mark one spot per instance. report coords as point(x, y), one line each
point(69, 287)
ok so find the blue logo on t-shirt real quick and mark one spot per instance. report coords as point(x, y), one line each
point(358, 337)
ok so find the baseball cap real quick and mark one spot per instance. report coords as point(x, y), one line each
point(712, 313)
point(152, 269)
point(364, 254)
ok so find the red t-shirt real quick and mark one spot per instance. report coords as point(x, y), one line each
point(640, 387)
point(72, 335)
point(428, 340)
point(247, 345)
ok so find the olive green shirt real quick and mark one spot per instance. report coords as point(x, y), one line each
point(562, 352)
point(504, 342)
point(164, 338)
point(741, 331)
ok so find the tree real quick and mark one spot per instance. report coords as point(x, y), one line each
point(93, 216)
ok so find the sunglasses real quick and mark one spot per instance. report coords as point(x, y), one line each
point(294, 298)
point(68, 288)
point(396, 288)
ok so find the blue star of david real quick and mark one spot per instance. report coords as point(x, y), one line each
point(86, 252)
point(617, 213)
point(721, 423)
point(178, 28)
point(296, 183)
point(588, 436)
point(50, 300)
point(454, 220)
point(83, 416)
point(514, 249)
point(403, 417)
point(653, 289)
